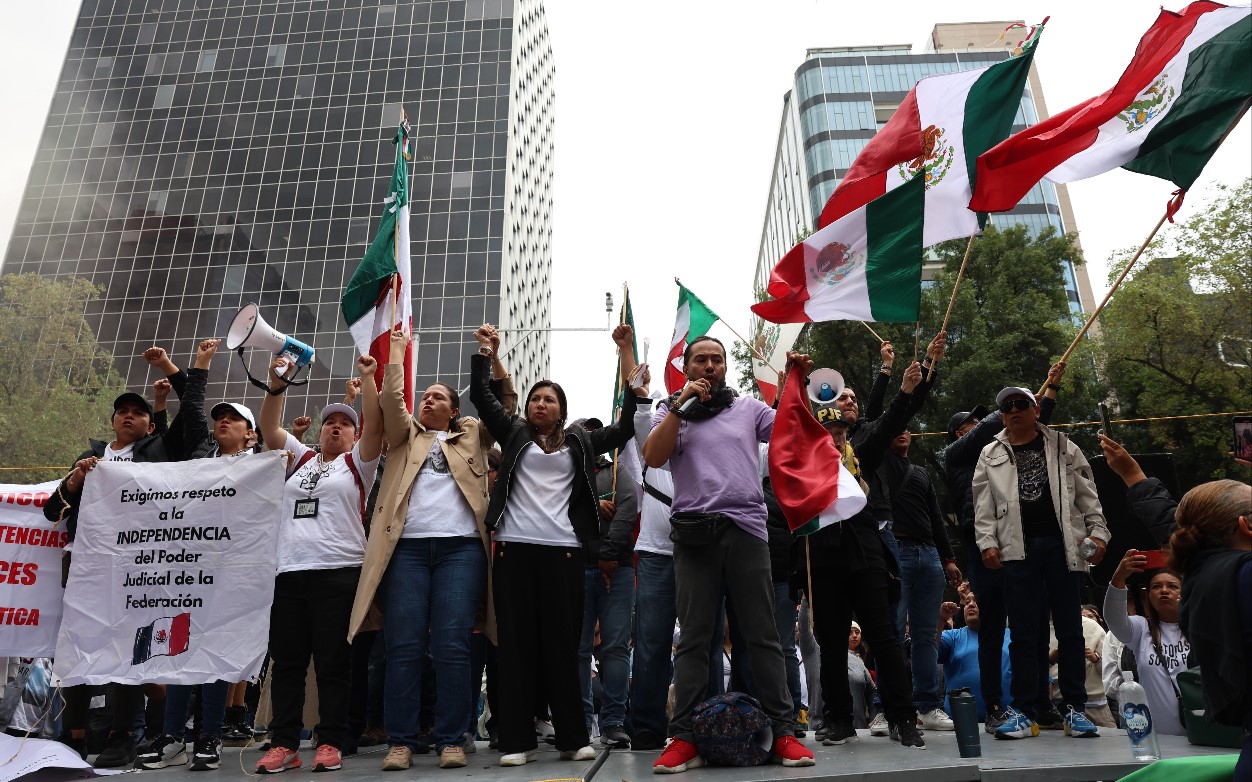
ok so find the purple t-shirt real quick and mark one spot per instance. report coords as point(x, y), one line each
point(716, 463)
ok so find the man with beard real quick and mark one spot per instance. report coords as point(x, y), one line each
point(710, 437)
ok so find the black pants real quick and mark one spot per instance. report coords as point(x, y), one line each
point(539, 615)
point(127, 700)
point(310, 617)
point(836, 594)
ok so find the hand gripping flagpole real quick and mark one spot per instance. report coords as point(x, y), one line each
point(1171, 209)
point(625, 382)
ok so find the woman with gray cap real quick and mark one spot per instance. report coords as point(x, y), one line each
point(321, 546)
point(232, 430)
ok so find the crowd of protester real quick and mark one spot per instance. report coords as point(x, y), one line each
point(522, 577)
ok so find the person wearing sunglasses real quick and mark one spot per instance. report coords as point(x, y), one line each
point(1035, 502)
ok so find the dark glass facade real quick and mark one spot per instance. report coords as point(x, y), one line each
point(202, 154)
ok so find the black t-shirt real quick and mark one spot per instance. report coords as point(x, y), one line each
point(1034, 494)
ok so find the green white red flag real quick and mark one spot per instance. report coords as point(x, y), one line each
point(772, 343)
point(1187, 85)
point(694, 319)
point(378, 295)
point(867, 265)
point(942, 126)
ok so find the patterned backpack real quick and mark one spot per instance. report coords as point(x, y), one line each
point(732, 730)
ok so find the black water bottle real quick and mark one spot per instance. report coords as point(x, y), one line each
point(965, 718)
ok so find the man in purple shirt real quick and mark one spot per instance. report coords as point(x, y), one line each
point(710, 437)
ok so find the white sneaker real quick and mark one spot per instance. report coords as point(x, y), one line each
point(878, 726)
point(586, 753)
point(935, 719)
point(519, 758)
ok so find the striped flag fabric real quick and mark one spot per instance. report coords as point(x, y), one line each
point(867, 265)
point(942, 126)
point(378, 295)
point(811, 483)
point(166, 637)
point(626, 316)
point(1186, 86)
point(694, 319)
point(772, 343)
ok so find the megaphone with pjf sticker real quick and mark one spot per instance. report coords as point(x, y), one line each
point(249, 330)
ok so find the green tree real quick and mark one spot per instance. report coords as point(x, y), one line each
point(57, 384)
point(1177, 337)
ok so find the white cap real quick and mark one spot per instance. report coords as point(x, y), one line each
point(1011, 390)
point(339, 407)
point(222, 407)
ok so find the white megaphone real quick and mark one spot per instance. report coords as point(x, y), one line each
point(825, 386)
point(249, 330)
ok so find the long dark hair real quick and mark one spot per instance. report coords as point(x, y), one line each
point(1149, 610)
point(553, 443)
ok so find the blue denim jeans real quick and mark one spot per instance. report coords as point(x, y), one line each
point(212, 708)
point(655, 612)
point(921, 593)
point(431, 592)
point(612, 608)
point(785, 617)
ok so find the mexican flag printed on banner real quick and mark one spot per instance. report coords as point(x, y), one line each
point(940, 129)
point(1186, 87)
point(166, 637)
point(378, 295)
point(694, 319)
point(811, 483)
point(772, 343)
point(867, 265)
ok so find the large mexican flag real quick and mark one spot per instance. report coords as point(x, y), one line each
point(377, 297)
point(1188, 84)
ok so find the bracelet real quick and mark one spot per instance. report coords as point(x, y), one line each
point(1054, 386)
point(926, 359)
point(486, 351)
point(885, 368)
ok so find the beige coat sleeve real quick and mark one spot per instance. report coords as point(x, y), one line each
point(1086, 500)
point(396, 416)
point(984, 509)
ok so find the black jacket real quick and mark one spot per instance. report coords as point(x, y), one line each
point(914, 504)
point(512, 432)
point(159, 446)
point(1150, 502)
point(1212, 615)
point(895, 420)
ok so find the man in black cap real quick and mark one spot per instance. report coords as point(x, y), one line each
point(968, 433)
point(135, 439)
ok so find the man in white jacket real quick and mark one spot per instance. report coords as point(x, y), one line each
point(1035, 503)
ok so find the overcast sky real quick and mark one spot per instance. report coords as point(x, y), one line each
point(667, 117)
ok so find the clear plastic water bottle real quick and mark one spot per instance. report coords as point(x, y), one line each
point(1137, 719)
point(1087, 549)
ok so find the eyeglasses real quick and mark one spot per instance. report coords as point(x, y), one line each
point(1009, 405)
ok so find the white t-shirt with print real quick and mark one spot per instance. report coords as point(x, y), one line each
point(537, 510)
point(335, 537)
point(437, 506)
point(126, 454)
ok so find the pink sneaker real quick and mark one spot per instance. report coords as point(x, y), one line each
point(278, 760)
point(327, 759)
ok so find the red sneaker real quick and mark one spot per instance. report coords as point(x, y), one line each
point(278, 760)
point(327, 759)
point(678, 757)
point(790, 752)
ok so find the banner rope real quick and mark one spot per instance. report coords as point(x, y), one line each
point(1115, 421)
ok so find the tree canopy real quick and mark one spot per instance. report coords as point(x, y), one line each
point(57, 385)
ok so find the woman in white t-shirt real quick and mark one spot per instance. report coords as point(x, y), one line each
point(1160, 648)
point(542, 508)
point(321, 545)
point(426, 560)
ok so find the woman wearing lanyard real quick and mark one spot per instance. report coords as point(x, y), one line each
point(427, 557)
point(321, 546)
point(542, 507)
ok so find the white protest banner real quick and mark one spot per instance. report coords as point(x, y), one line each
point(162, 555)
point(30, 572)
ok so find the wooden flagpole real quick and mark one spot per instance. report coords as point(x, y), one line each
point(625, 382)
point(917, 338)
point(871, 331)
point(956, 286)
point(751, 346)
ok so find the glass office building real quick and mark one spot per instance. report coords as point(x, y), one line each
point(203, 154)
point(843, 96)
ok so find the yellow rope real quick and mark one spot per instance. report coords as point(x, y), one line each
point(1118, 421)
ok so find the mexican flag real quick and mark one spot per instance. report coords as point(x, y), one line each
point(1186, 87)
point(811, 494)
point(166, 637)
point(377, 297)
point(773, 340)
point(867, 265)
point(694, 319)
point(627, 317)
point(940, 129)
